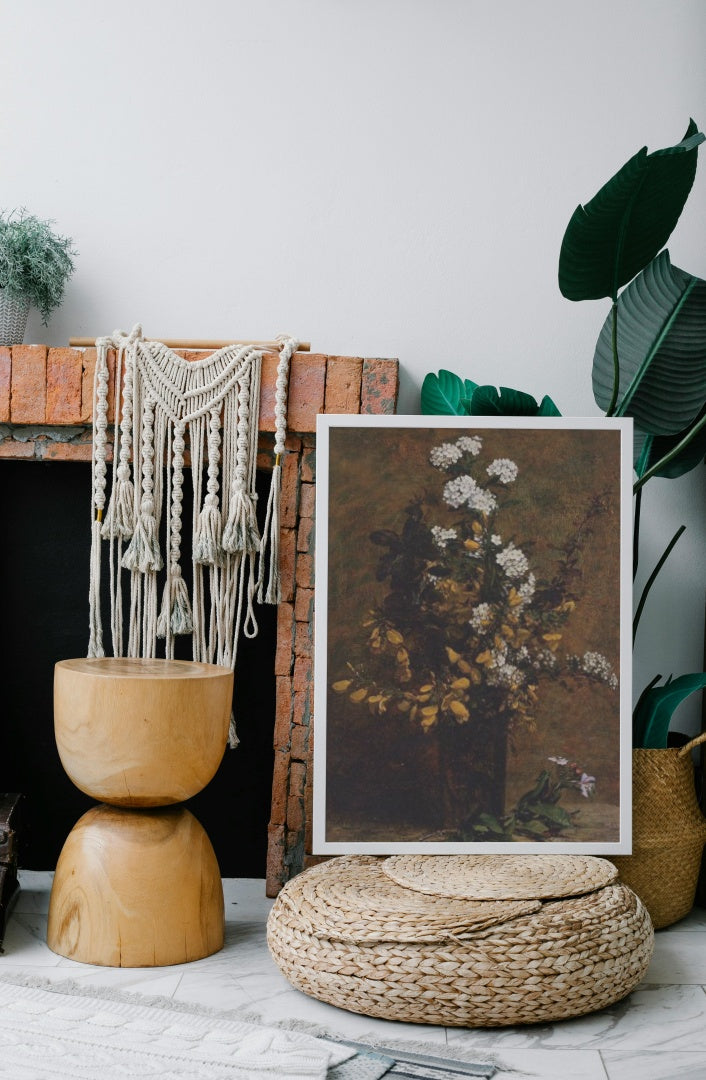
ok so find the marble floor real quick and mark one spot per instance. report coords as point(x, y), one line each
point(658, 1033)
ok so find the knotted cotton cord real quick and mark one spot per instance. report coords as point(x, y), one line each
point(160, 401)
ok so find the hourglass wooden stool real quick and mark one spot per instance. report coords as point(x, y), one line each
point(137, 883)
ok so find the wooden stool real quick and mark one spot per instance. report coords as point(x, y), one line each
point(137, 886)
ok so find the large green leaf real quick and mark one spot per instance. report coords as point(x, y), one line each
point(446, 394)
point(661, 350)
point(649, 450)
point(610, 239)
point(655, 708)
point(489, 401)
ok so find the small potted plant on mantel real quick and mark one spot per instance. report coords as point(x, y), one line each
point(35, 264)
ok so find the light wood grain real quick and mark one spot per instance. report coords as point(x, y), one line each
point(141, 732)
point(136, 888)
point(196, 343)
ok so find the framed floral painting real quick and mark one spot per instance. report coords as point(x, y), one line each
point(473, 613)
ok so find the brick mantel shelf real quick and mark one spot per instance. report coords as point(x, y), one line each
point(46, 399)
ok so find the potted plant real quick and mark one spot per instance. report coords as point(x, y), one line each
point(649, 364)
point(35, 264)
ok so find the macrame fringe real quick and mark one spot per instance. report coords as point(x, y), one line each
point(120, 518)
point(175, 615)
point(208, 542)
point(95, 640)
point(241, 533)
point(142, 553)
point(270, 543)
point(233, 740)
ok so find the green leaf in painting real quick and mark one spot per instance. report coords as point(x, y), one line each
point(654, 711)
point(615, 235)
point(444, 394)
point(489, 401)
point(661, 350)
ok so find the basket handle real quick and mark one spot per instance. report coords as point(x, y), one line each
point(691, 745)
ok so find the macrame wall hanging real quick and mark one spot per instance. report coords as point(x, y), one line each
point(161, 400)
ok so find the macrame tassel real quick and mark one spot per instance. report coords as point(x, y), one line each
point(120, 517)
point(95, 640)
point(175, 614)
point(233, 739)
point(143, 552)
point(241, 532)
point(208, 548)
point(273, 593)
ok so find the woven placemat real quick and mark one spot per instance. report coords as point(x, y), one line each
point(500, 877)
point(354, 900)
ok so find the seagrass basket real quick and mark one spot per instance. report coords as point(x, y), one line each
point(668, 833)
point(349, 934)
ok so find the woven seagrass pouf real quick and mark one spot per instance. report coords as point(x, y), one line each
point(373, 936)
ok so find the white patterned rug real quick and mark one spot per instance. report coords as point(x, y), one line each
point(56, 1031)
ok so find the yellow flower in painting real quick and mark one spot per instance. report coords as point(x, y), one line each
point(341, 686)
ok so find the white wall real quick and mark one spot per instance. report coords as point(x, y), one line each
point(383, 177)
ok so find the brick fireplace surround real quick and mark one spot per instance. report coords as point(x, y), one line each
point(45, 415)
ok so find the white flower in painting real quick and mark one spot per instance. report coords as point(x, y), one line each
point(441, 536)
point(526, 591)
point(502, 673)
point(544, 660)
point(444, 456)
point(597, 666)
point(469, 444)
point(587, 784)
point(481, 617)
point(512, 561)
point(463, 490)
point(559, 760)
point(496, 540)
point(502, 469)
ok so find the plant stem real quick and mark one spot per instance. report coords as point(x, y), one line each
point(651, 579)
point(636, 533)
point(616, 365)
point(691, 433)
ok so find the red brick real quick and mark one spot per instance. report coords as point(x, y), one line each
point(343, 382)
point(275, 860)
point(304, 605)
point(303, 641)
point(287, 562)
point(64, 378)
point(297, 779)
point(54, 451)
point(308, 810)
point(284, 653)
point(305, 535)
point(306, 391)
point(379, 387)
point(280, 785)
point(295, 814)
point(28, 399)
point(302, 673)
point(5, 373)
point(307, 500)
point(308, 464)
point(289, 501)
point(89, 368)
point(300, 738)
point(301, 711)
point(305, 571)
point(283, 712)
point(11, 448)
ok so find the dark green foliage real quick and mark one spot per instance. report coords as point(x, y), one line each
point(610, 239)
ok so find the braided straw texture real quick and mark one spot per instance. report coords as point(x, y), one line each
point(668, 834)
point(568, 958)
point(360, 903)
point(501, 877)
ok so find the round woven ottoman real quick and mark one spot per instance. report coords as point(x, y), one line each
point(466, 941)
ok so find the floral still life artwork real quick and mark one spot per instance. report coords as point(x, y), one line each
point(472, 663)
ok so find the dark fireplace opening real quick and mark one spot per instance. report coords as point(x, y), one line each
point(44, 561)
